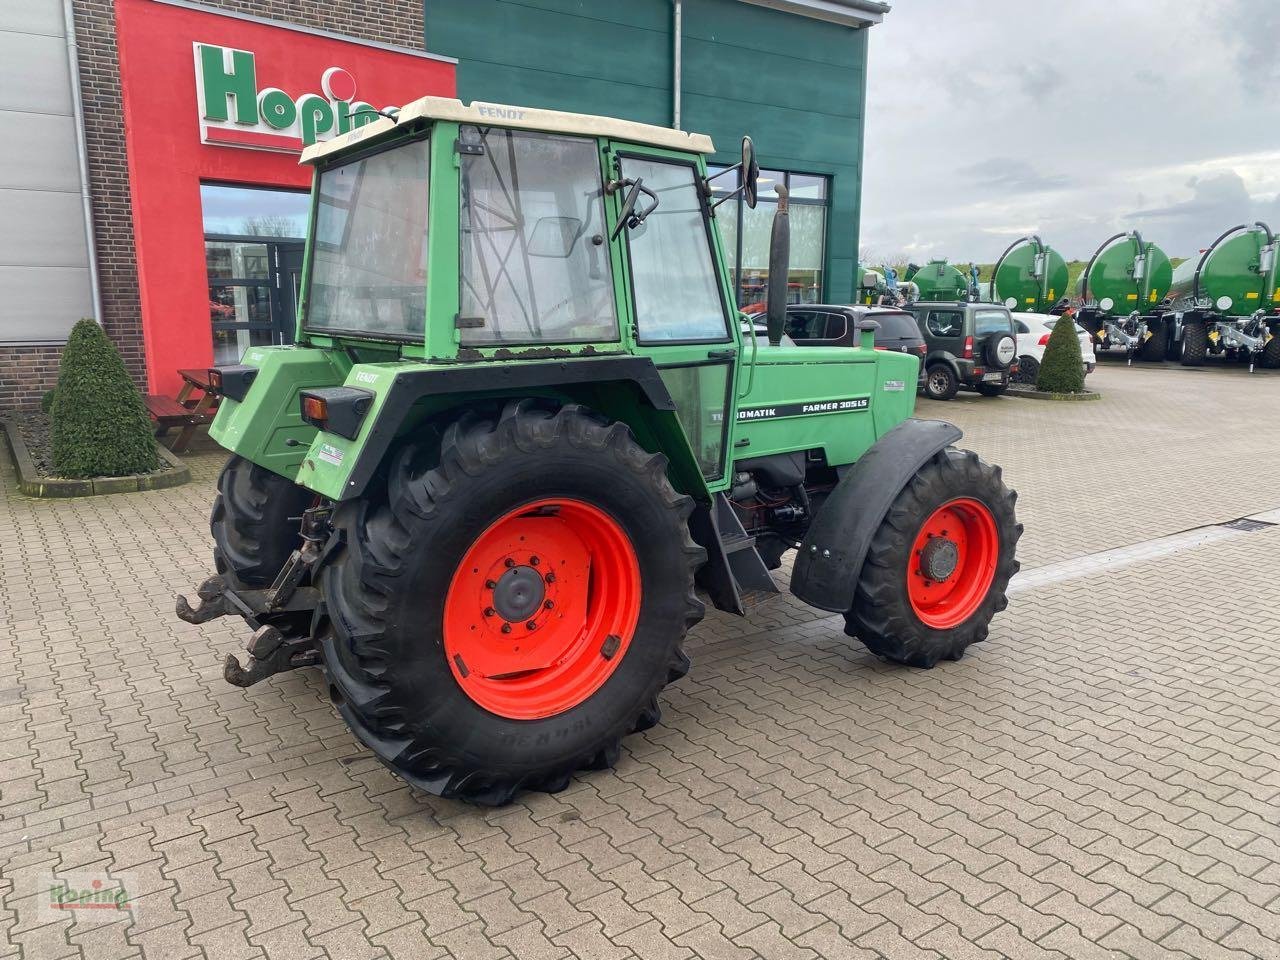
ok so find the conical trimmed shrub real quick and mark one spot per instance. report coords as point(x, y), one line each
point(1062, 369)
point(100, 426)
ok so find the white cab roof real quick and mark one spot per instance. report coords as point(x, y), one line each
point(523, 118)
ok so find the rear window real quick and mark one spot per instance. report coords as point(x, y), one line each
point(990, 321)
point(897, 325)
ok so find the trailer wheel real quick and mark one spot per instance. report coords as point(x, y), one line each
point(1195, 343)
point(255, 521)
point(1271, 352)
point(940, 382)
point(939, 564)
point(1154, 348)
point(509, 609)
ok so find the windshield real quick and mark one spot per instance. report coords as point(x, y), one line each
point(369, 247)
point(990, 321)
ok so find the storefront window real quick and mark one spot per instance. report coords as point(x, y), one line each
point(745, 235)
point(253, 257)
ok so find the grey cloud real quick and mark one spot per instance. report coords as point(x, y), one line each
point(1040, 80)
point(1012, 174)
point(1223, 195)
point(1252, 29)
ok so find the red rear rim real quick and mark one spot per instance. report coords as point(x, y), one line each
point(542, 608)
point(953, 563)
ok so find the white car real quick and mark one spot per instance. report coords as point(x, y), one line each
point(1033, 336)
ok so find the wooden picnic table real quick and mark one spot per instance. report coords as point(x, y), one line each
point(195, 404)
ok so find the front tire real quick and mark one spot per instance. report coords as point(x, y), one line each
point(1271, 352)
point(939, 564)
point(940, 382)
point(473, 687)
point(255, 521)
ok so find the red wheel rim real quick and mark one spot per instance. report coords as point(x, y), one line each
point(953, 563)
point(542, 608)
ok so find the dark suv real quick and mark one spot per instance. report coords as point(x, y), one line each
point(972, 345)
point(820, 325)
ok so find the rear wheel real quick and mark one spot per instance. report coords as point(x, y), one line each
point(510, 608)
point(940, 382)
point(255, 521)
point(1028, 370)
point(1195, 343)
point(939, 564)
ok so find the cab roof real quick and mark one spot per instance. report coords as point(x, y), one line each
point(522, 118)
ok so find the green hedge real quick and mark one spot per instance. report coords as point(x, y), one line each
point(100, 426)
point(1062, 369)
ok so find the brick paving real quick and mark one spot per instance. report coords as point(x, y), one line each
point(1099, 779)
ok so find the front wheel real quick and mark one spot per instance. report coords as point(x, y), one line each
point(510, 606)
point(939, 564)
point(1271, 352)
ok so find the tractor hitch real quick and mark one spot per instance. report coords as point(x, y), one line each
point(280, 615)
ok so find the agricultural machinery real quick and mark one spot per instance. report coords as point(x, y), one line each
point(523, 433)
point(1029, 276)
point(1121, 294)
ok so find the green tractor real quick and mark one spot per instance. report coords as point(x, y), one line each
point(523, 429)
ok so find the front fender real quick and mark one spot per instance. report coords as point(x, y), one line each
point(836, 544)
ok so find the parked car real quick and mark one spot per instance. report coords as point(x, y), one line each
point(1033, 337)
point(970, 345)
point(823, 325)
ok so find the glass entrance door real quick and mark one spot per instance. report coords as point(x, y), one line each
point(253, 291)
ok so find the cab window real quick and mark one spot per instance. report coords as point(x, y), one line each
point(677, 287)
point(534, 264)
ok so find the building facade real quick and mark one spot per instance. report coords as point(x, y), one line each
point(168, 132)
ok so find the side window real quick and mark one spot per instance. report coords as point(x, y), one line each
point(945, 323)
point(837, 326)
point(534, 266)
point(677, 286)
point(1022, 327)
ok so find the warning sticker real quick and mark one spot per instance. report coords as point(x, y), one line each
point(331, 454)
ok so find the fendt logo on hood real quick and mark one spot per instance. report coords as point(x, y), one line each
point(235, 113)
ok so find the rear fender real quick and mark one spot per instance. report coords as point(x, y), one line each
point(834, 548)
point(947, 360)
point(406, 396)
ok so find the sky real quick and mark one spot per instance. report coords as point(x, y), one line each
point(991, 119)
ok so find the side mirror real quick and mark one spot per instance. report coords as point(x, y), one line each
point(779, 265)
point(750, 173)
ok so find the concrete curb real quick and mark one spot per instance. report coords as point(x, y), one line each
point(31, 483)
point(1067, 397)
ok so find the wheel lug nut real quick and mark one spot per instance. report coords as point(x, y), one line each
point(506, 628)
point(488, 611)
point(551, 577)
point(490, 584)
point(508, 562)
point(531, 625)
point(548, 605)
point(533, 561)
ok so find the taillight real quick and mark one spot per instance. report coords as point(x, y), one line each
point(882, 348)
point(315, 411)
point(1043, 339)
point(968, 348)
point(922, 349)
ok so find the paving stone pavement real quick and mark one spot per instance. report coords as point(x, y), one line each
point(1101, 778)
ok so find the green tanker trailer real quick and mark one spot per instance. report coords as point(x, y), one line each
point(1226, 302)
point(940, 280)
point(1121, 292)
point(1030, 276)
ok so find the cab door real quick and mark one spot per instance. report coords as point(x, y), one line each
point(679, 303)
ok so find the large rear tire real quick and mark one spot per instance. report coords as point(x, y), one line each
point(939, 564)
point(1195, 343)
point(255, 521)
point(1154, 348)
point(510, 606)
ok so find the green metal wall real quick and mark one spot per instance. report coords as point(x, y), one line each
point(796, 85)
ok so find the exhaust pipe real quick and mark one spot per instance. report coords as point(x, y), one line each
point(779, 263)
